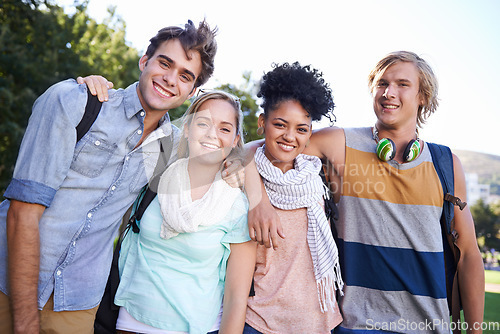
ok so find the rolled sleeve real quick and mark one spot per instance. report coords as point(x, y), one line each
point(30, 192)
point(48, 144)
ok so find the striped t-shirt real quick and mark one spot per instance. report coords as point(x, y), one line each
point(390, 242)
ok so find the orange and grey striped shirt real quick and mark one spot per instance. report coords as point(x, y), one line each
point(390, 242)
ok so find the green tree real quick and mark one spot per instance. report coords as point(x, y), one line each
point(247, 94)
point(495, 207)
point(41, 45)
point(487, 223)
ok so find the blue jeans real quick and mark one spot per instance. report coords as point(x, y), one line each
point(250, 330)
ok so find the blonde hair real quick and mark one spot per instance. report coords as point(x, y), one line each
point(428, 84)
point(187, 118)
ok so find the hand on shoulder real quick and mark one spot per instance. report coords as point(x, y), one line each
point(98, 85)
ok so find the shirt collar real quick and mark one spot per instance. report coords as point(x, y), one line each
point(131, 101)
point(133, 105)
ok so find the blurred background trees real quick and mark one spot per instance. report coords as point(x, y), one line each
point(487, 223)
point(40, 45)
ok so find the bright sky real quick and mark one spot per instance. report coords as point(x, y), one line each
point(345, 39)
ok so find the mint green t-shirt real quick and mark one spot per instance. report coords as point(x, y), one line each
point(177, 284)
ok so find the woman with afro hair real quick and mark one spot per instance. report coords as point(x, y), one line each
point(294, 286)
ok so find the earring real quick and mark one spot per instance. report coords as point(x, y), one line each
point(260, 131)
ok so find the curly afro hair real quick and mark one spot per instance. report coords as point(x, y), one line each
point(299, 83)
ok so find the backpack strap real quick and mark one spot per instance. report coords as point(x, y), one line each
point(150, 190)
point(107, 313)
point(442, 159)
point(455, 201)
point(443, 163)
point(331, 210)
point(92, 109)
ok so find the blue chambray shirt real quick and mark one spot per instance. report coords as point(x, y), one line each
point(86, 188)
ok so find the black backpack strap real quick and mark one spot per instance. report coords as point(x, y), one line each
point(331, 210)
point(166, 145)
point(150, 190)
point(91, 112)
point(107, 313)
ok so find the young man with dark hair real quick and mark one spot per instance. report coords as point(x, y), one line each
point(66, 199)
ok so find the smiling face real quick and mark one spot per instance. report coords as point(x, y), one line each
point(396, 97)
point(212, 132)
point(168, 77)
point(287, 129)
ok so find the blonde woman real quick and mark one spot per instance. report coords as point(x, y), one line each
point(193, 249)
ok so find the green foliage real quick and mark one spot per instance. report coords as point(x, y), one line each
point(176, 114)
point(487, 223)
point(492, 276)
point(41, 45)
point(495, 207)
point(249, 106)
point(491, 313)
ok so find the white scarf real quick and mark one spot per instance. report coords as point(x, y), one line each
point(182, 215)
point(302, 187)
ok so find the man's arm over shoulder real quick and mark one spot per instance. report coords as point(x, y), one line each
point(264, 225)
point(48, 144)
point(329, 145)
point(23, 264)
point(470, 266)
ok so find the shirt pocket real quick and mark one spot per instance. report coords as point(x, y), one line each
point(92, 155)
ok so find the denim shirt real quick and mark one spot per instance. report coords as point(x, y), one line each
point(86, 188)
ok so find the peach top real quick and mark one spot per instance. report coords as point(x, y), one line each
point(286, 297)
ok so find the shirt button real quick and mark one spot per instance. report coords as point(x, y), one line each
point(97, 143)
point(58, 273)
point(113, 188)
point(139, 132)
point(142, 113)
point(127, 158)
point(89, 215)
point(74, 243)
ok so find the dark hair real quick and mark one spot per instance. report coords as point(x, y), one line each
point(299, 83)
point(200, 39)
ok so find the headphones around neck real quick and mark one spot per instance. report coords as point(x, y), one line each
point(386, 149)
